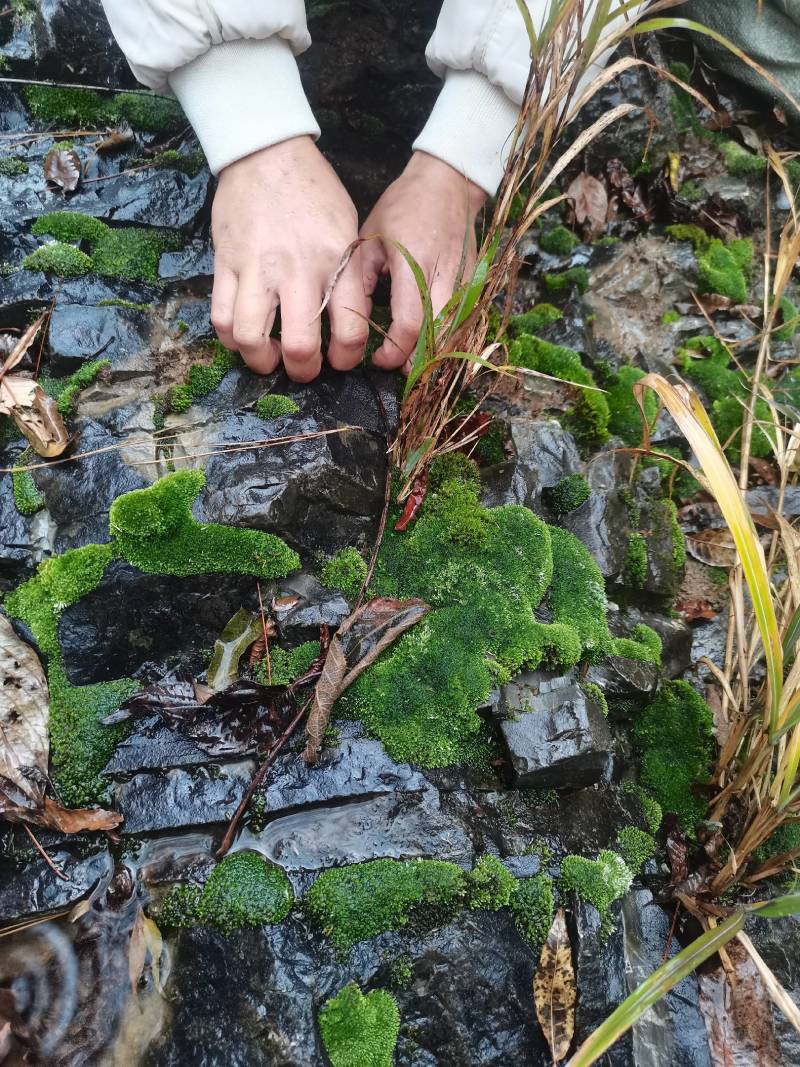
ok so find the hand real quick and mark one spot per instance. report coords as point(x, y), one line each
point(428, 210)
point(281, 222)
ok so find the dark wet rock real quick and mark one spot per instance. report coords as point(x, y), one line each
point(196, 260)
point(778, 942)
point(765, 499)
point(153, 747)
point(23, 290)
point(24, 539)
point(544, 454)
point(186, 320)
point(744, 198)
point(556, 737)
point(33, 888)
point(165, 198)
point(675, 634)
point(664, 571)
point(130, 620)
point(601, 523)
point(315, 606)
point(118, 334)
point(623, 678)
point(179, 798)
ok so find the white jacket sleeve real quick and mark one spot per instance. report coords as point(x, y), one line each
point(230, 63)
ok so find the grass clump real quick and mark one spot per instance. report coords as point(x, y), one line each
point(273, 405)
point(532, 907)
point(534, 321)
point(636, 847)
point(567, 495)
point(345, 571)
point(64, 260)
point(559, 241)
point(676, 738)
point(242, 890)
point(286, 667)
point(598, 882)
point(27, 498)
point(574, 278)
point(360, 1030)
point(202, 379)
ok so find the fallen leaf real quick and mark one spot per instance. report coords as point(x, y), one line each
point(589, 203)
point(116, 139)
point(146, 941)
point(35, 413)
point(628, 191)
point(63, 168)
point(711, 302)
point(713, 547)
point(24, 710)
point(414, 501)
point(355, 646)
point(696, 608)
point(554, 990)
point(764, 470)
point(677, 856)
point(237, 636)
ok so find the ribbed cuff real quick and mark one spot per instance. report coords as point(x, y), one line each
point(241, 96)
point(470, 128)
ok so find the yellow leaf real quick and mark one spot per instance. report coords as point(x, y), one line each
point(554, 989)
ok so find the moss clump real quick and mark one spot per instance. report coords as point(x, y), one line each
point(625, 417)
point(145, 111)
point(69, 226)
point(56, 258)
point(27, 498)
point(590, 418)
point(599, 882)
point(722, 269)
point(532, 907)
point(636, 847)
point(687, 231)
point(574, 278)
point(453, 466)
point(534, 321)
point(362, 900)
point(359, 1030)
point(559, 241)
point(189, 163)
point(691, 191)
point(81, 108)
point(401, 973)
point(567, 495)
point(242, 890)
point(13, 167)
point(346, 571)
point(740, 162)
point(273, 405)
point(682, 104)
point(65, 390)
point(644, 644)
point(790, 320)
point(785, 839)
point(595, 693)
point(117, 302)
point(676, 737)
point(287, 666)
point(651, 809)
point(202, 379)
point(669, 317)
point(490, 884)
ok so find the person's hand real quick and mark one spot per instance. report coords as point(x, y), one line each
point(281, 222)
point(429, 209)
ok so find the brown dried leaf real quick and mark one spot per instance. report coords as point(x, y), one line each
point(355, 646)
point(62, 168)
point(116, 139)
point(713, 547)
point(589, 202)
point(695, 608)
point(23, 710)
point(554, 989)
point(76, 820)
point(35, 413)
point(678, 856)
point(20, 346)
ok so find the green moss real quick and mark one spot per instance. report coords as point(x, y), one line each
point(676, 737)
point(145, 111)
point(636, 847)
point(575, 277)
point(625, 417)
point(287, 666)
point(56, 258)
point(362, 900)
point(532, 907)
point(691, 191)
point(189, 163)
point(790, 319)
point(359, 1030)
point(401, 973)
point(669, 317)
point(82, 108)
point(599, 882)
point(682, 104)
point(27, 498)
point(491, 447)
point(567, 495)
point(65, 390)
point(69, 226)
point(720, 270)
point(345, 571)
point(606, 242)
point(785, 839)
point(202, 379)
point(243, 890)
point(559, 241)
point(686, 231)
point(534, 321)
point(13, 167)
point(595, 693)
point(453, 466)
point(651, 809)
point(591, 416)
point(129, 304)
point(490, 884)
point(644, 644)
point(676, 536)
point(273, 405)
point(742, 163)
point(577, 596)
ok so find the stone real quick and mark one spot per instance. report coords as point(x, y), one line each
point(778, 942)
point(312, 606)
point(600, 972)
point(675, 634)
point(664, 573)
point(196, 260)
point(544, 454)
point(601, 523)
point(623, 678)
point(556, 738)
point(24, 539)
point(121, 335)
point(22, 291)
point(32, 888)
point(163, 198)
point(153, 747)
point(152, 801)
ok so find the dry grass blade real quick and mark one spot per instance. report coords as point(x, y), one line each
point(776, 991)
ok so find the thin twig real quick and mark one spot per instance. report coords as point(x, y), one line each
point(78, 85)
point(56, 871)
point(266, 636)
point(121, 173)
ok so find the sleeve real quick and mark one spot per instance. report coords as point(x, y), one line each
point(229, 62)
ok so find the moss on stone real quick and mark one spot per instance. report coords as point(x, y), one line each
point(595, 693)
point(202, 378)
point(532, 907)
point(56, 258)
point(27, 498)
point(81, 108)
point(669, 317)
point(359, 1030)
point(692, 191)
point(287, 666)
point(145, 111)
point(574, 278)
point(740, 162)
point(644, 644)
point(273, 405)
point(189, 163)
point(567, 495)
point(785, 839)
point(651, 809)
point(118, 302)
point(13, 167)
point(720, 271)
point(676, 737)
point(636, 847)
point(345, 571)
point(178, 909)
point(599, 882)
point(625, 417)
point(490, 884)
point(559, 241)
point(69, 226)
point(534, 321)
point(65, 390)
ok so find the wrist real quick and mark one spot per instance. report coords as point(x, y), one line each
point(436, 173)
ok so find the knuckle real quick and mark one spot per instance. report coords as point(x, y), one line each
point(249, 336)
point(222, 320)
point(352, 334)
point(299, 349)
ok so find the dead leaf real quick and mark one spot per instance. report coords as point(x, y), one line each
point(62, 168)
point(146, 941)
point(696, 608)
point(237, 636)
point(589, 203)
point(554, 989)
point(764, 470)
point(713, 547)
point(23, 399)
point(677, 856)
point(355, 646)
point(116, 139)
point(711, 302)
point(24, 710)
point(414, 501)
point(21, 346)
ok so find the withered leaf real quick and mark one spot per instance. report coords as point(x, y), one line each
point(28, 804)
point(116, 139)
point(694, 608)
point(677, 856)
point(146, 940)
point(554, 990)
point(714, 547)
point(589, 201)
point(24, 709)
point(63, 168)
point(35, 413)
point(414, 502)
point(355, 646)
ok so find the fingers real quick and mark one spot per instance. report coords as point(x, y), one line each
point(223, 301)
point(406, 308)
point(301, 344)
point(253, 316)
point(348, 311)
point(373, 260)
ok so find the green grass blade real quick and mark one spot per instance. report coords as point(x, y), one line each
point(425, 341)
point(790, 639)
point(524, 10)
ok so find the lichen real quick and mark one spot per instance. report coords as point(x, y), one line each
point(532, 907)
point(559, 241)
point(675, 735)
point(27, 498)
point(56, 258)
point(598, 882)
point(567, 495)
point(273, 405)
point(345, 571)
point(575, 277)
point(359, 1030)
point(636, 847)
point(202, 378)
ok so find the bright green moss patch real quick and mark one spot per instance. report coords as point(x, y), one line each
point(118, 302)
point(742, 163)
point(359, 1030)
point(56, 258)
point(189, 163)
point(534, 321)
point(559, 241)
point(567, 495)
point(287, 666)
point(532, 907)
point(27, 498)
point(687, 231)
point(65, 390)
point(273, 405)
point(676, 737)
point(720, 272)
point(636, 847)
point(595, 693)
point(669, 317)
point(692, 191)
point(202, 379)
point(243, 889)
point(651, 809)
point(69, 226)
point(790, 320)
point(346, 571)
point(490, 884)
point(625, 417)
point(13, 167)
point(644, 644)
point(86, 109)
point(574, 278)
point(599, 882)
point(634, 572)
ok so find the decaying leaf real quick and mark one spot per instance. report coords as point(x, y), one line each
point(693, 608)
point(589, 201)
point(62, 168)
point(414, 501)
point(239, 633)
point(714, 547)
point(35, 413)
point(355, 646)
point(554, 990)
point(23, 709)
point(116, 139)
point(146, 941)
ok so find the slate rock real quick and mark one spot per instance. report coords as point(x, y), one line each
point(33, 888)
point(601, 523)
point(150, 802)
point(544, 454)
point(153, 747)
point(23, 290)
point(195, 260)
point(778, 942)
point(24, 539)
point(73, 43)
point(118, 334)
point(623, 678)
point(675, 634)
point(664, 572)
point(555, 739)
point(315, 606)
point(161, 198)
